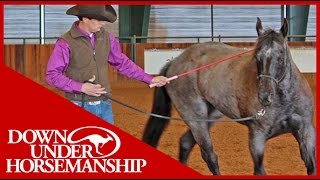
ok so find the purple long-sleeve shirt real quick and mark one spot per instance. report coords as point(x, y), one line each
point(59, 61)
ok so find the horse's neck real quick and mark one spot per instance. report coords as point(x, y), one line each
point(291, 77)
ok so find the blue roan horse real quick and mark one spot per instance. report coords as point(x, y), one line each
point(266, 78)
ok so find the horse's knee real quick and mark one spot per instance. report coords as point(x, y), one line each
point(257, 142)
point(306, 139)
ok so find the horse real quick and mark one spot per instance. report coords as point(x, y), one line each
point(266, 78)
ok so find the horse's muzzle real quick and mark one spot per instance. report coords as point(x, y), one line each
point(265, 98)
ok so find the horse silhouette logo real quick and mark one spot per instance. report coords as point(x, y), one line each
point(97, 140)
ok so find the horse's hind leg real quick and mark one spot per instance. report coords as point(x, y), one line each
point(186, 144)
point(305, 135)
point(187, 141)
point(191, 105)
point(201, 134)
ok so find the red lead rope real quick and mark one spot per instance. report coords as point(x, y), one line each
point(202, 67)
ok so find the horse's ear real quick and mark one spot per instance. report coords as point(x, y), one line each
point(284, 28)
point(259, 27)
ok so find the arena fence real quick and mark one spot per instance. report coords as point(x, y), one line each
point(31, 60)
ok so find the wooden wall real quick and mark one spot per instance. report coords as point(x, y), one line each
point(31, 60)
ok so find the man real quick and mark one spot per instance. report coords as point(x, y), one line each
point(78, 63)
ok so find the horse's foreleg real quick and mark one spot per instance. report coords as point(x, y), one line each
point(202, 137)
point(187, 142)
point(257, 145)
point(305, 136)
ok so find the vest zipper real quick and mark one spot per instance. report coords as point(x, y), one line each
point(94, 58)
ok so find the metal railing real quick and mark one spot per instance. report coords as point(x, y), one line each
point(133, 39)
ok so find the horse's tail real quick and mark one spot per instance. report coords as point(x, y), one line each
point(161, 106)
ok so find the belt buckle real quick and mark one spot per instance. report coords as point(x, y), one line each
point(94, 102)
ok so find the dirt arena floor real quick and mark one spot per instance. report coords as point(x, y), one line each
point(230, 140)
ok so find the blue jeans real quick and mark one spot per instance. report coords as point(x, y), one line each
point(101, 109)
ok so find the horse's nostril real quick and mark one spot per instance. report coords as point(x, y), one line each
point(265, 98)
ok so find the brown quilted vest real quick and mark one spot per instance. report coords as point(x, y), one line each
point(86, 61)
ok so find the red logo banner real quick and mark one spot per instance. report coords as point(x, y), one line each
point(46, 136)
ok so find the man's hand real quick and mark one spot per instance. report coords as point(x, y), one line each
point(159, 81)
point(93, 89)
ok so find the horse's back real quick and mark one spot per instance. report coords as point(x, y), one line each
point(217, 83)
point(200, 54)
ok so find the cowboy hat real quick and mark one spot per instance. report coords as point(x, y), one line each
point(99, 12)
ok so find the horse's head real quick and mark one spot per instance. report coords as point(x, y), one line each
point(271, 58)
